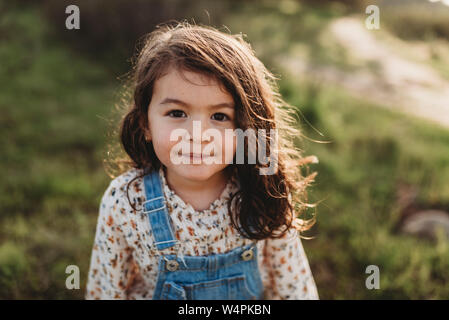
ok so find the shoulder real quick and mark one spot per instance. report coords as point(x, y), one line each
point(289, 236)
point(121, 181)
point(123, 187)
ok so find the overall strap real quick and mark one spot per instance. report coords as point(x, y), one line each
point(156, 209)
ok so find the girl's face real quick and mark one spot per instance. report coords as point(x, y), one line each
point(181, 114)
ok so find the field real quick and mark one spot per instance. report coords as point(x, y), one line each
point(57, 117)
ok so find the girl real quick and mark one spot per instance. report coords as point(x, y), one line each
point(198, 229)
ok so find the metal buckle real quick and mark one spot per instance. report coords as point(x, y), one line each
point(247, 255)
point(154, 199)
point(172, 265)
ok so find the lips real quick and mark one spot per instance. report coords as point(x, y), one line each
point(195, 156)
point(191, 155)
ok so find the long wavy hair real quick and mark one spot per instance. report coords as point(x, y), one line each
point(266, 206)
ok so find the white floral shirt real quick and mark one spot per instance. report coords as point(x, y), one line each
point(124, 263)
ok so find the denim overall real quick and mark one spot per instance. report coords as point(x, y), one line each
point(233, 275)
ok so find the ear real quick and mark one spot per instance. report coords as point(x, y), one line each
point(147, 135)
point(145, 129)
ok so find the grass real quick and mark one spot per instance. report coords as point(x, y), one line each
point(421, 20)
point(52, 128)
point(372, 150)
point(302, 25)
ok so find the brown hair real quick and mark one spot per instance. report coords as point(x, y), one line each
point(266, 203)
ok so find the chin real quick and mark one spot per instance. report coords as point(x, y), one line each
point(196, 172)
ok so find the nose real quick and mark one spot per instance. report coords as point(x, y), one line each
point(196, 130)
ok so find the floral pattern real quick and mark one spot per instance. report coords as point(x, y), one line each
point(124, 262)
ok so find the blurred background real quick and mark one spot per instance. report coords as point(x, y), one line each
point(373, 104)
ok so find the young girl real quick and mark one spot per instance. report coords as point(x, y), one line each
point(198, 229)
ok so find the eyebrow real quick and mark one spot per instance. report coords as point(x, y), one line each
point(185, 104)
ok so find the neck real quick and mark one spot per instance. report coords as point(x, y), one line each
point(197, 193)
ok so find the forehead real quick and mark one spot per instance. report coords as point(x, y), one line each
point(190, 86)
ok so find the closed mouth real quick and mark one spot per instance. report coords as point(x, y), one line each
point(195, 156)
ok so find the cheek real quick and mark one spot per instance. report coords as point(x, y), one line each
point(228, 147)
point(161, 142)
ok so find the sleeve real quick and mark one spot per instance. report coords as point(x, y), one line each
point(288, 269)
point(111, 258)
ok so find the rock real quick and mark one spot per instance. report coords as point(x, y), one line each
point(425, 223)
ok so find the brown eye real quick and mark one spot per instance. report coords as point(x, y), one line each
point(176, 113)
point(221, 117)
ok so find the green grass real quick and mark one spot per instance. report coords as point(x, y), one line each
point(371, 151)
point(53, 137)
point(420, 20)
point(273, 31)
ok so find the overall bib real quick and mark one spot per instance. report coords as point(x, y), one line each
point(233, 275)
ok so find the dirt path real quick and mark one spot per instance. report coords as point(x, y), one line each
point(399, 82)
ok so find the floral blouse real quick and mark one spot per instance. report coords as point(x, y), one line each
point(124, 263)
